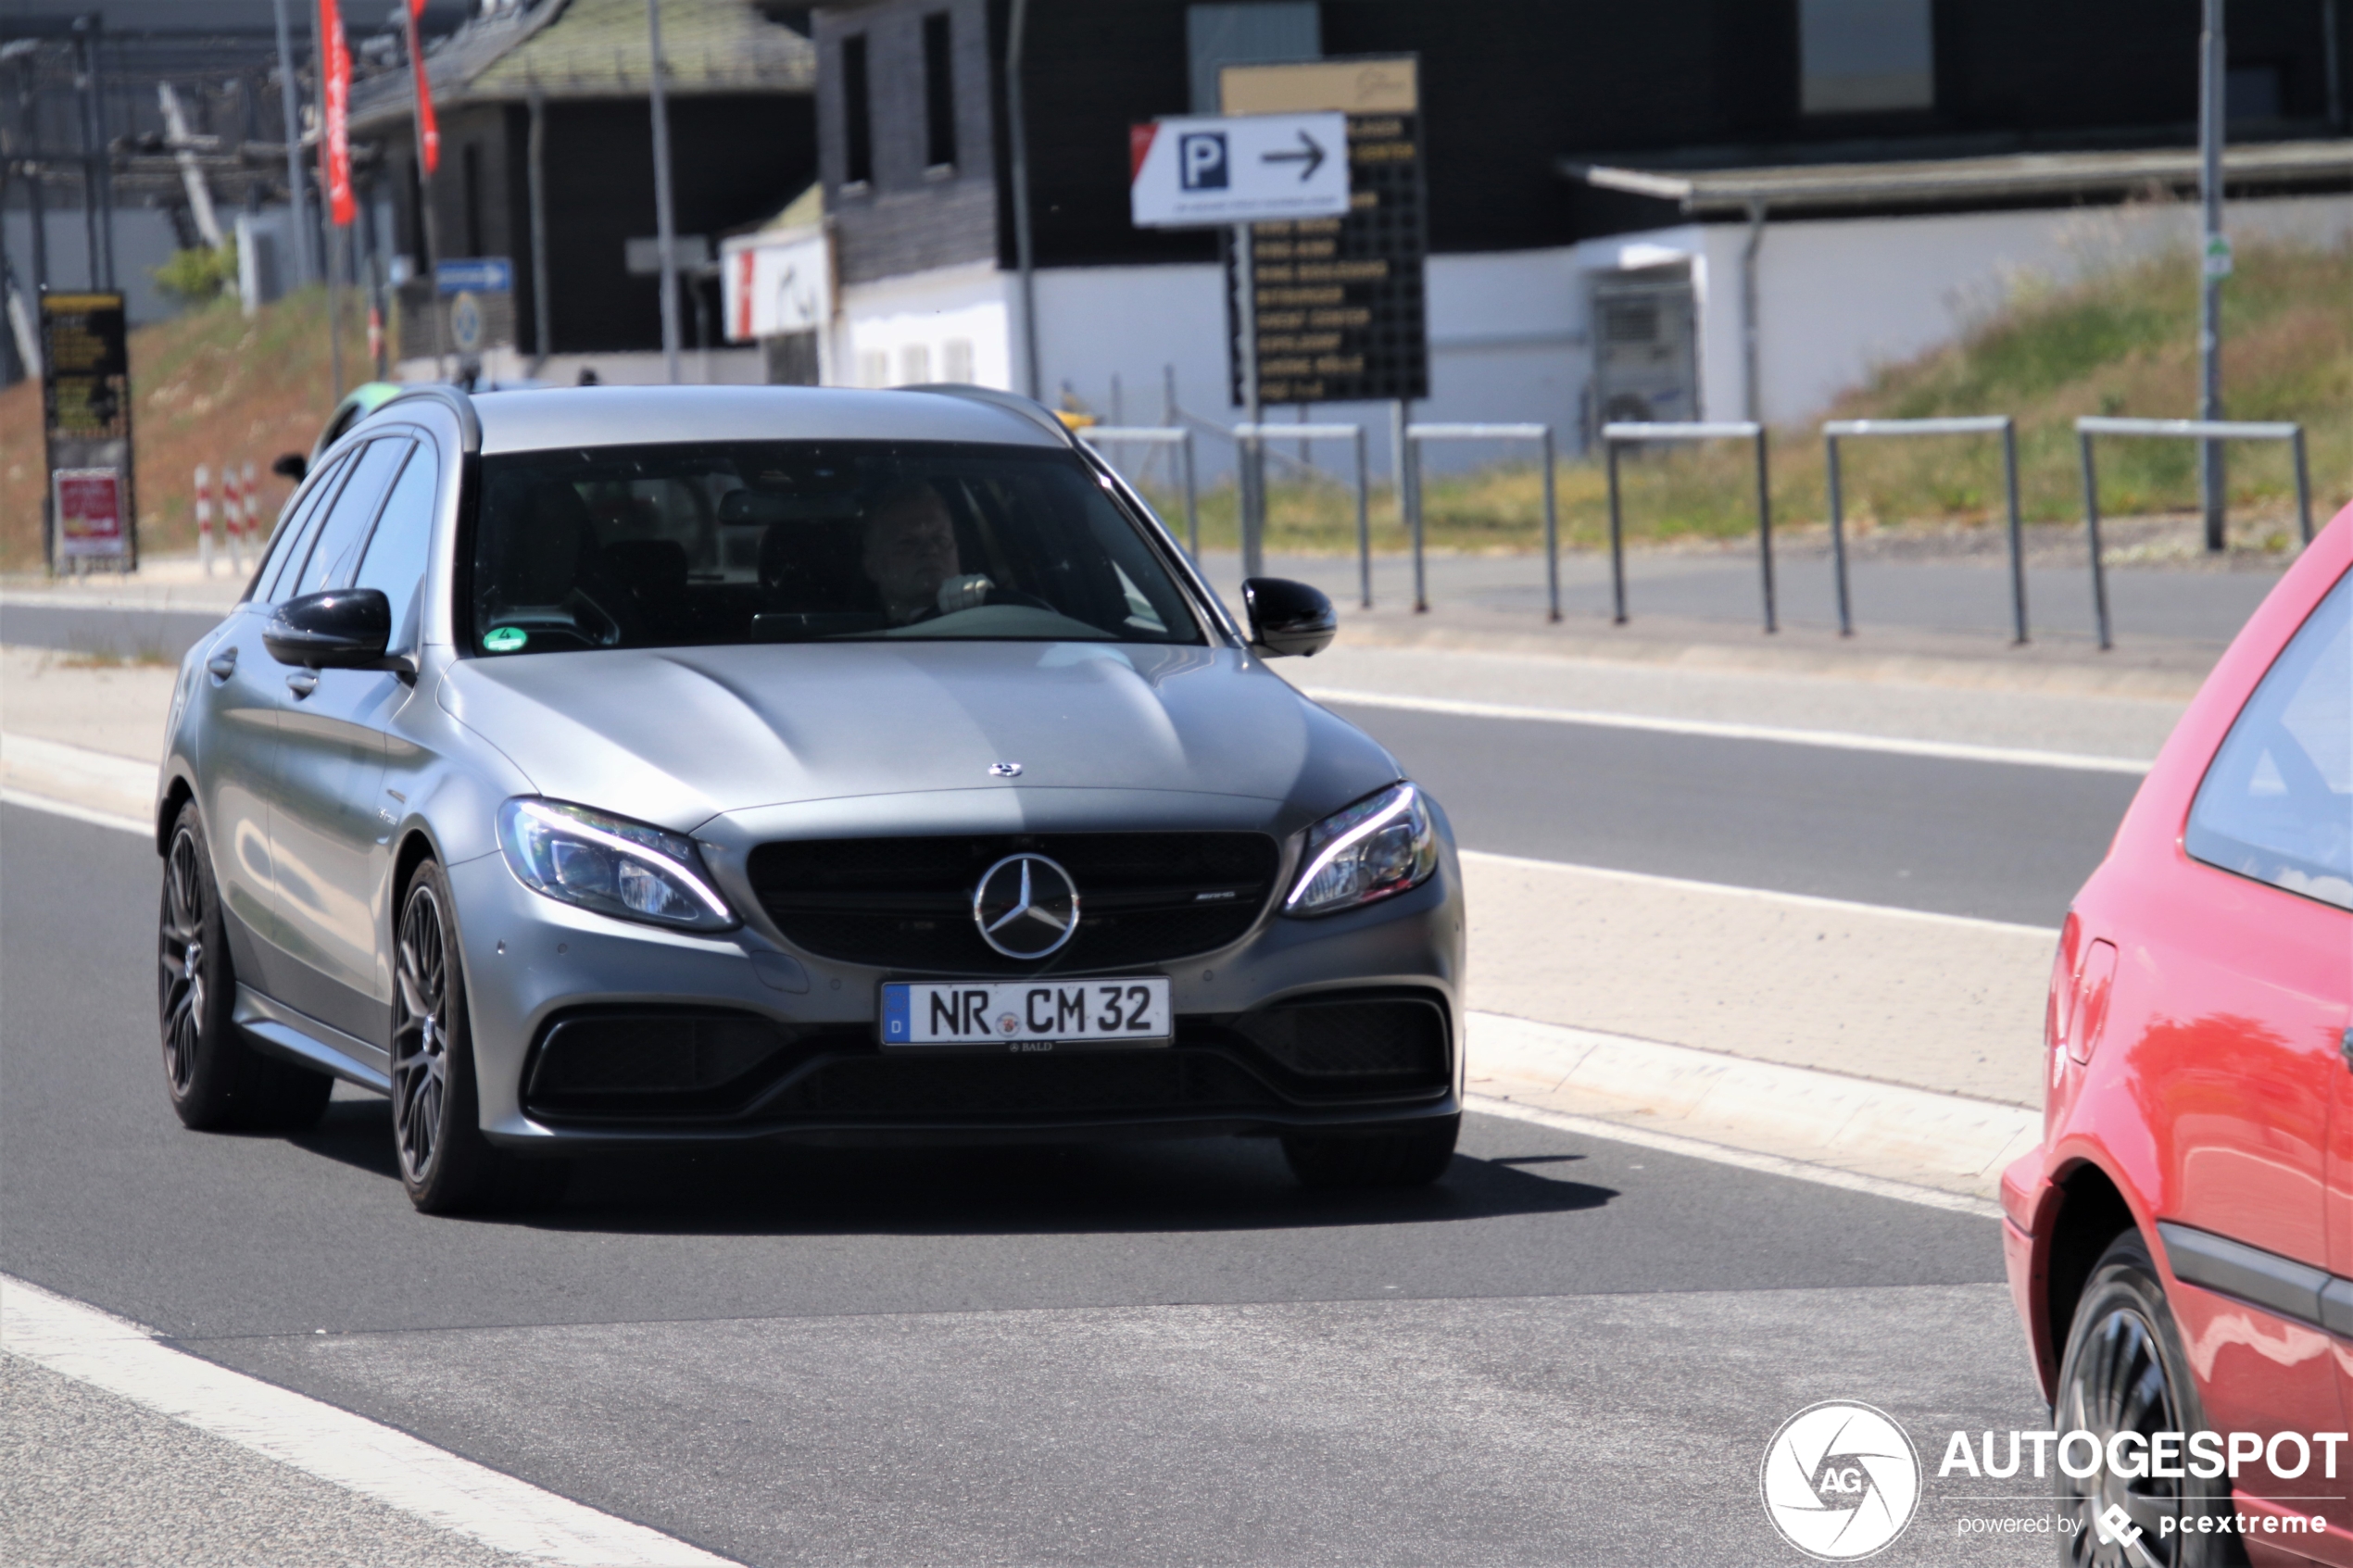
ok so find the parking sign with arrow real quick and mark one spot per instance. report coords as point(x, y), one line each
point(1199, 171)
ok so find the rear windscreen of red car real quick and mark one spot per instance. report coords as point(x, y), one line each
point(2277, 805)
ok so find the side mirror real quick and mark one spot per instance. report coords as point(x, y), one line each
point(343, 629)
point(1288, 618)
point(293, 465)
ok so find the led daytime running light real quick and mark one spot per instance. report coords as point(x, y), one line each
point(559, 819)
point(1337, 846)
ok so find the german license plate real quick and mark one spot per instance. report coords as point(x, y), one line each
point(1034, 1014)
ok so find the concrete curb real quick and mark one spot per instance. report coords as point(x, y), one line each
point(1887, 1131)
point(77, 776)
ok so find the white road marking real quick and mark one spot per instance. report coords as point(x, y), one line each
point(32, 802)
point(1724, 1154)
point(348, 1451)
point(1842, 740)
point(1801, 900)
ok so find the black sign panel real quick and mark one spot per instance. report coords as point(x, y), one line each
point(89, 505)
point(1340, 300)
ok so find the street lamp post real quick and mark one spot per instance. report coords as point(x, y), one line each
point(665, 225)
point(2214, 264)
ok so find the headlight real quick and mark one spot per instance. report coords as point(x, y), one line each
point(1382, 845)
point(609, 864)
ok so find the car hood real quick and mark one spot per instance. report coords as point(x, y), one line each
point(676, 736)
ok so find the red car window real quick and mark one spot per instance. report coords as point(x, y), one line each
point(2277, 805)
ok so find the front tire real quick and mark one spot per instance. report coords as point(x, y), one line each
point(1411, 1156)
point(2124, 1371)
point(446, 1164)
point(216, 1079)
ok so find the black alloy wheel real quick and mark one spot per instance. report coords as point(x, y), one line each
point(1411, 1156)
point(2124, 1371)
point(446, 1165)
point(215, 1077)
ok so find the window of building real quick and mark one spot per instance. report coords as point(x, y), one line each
point(2252, 93)
point(1232, 35)
point(873, 368)
point(956, 360)
point(940, 95)
point(1860, 56)
point(914, 365)
point(857, 108)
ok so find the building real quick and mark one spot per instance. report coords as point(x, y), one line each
point(546, 129)
point(1606, 185)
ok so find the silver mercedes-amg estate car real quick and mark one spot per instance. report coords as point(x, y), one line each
point(599, 767)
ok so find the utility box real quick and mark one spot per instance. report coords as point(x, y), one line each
point(1645, 366)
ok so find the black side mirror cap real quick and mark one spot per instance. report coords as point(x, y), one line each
point(342, 629)
point(1288, 618)
point(292, 465)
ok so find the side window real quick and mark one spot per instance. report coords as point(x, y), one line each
point(2277, 804)
point(395, 559)
point(345, 530)
point(294, 535)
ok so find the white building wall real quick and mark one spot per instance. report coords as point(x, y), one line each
point(1509, 331)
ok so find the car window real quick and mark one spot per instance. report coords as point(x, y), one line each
point(394, 563)
point(294, 535)
point(2277, 804)
point(336, 550)
point(786, 541)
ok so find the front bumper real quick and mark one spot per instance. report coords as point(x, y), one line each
point(532, 963)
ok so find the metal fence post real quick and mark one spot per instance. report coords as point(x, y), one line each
point(1414, 517)
point(1764, 528)
point(2017, 527)
point(1192, 498)
point(2092, 536)
point(1838, 533)
point(2303, 486)
point(1617, 539)
point(1552, 537)
point(1364, 529)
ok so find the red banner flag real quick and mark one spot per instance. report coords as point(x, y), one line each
point(334, 101)
point(428, 132)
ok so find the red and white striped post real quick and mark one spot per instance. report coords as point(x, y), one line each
point(253, 508)
point(204, 517)
point(232, 502)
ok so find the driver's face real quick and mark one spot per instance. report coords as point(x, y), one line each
point(910, 550)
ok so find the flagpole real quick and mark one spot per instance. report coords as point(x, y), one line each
point(665, 225)
point(426, 161)
point(323, 61)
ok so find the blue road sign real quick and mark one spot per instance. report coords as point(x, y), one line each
point(478, 274)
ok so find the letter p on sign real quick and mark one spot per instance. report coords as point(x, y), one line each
point(1201, 160)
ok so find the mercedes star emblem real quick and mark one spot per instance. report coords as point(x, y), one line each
point(1025, 906)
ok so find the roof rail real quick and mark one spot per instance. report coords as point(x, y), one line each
point(1029, 408)
point(469, 423)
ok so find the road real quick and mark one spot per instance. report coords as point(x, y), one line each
point(1573, 1349)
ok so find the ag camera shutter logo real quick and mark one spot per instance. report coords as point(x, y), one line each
point(1840, 1481)
point(1201, 161)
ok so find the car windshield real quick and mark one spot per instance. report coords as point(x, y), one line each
point(787, 541)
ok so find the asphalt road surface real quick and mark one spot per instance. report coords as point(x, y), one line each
point(1571, 1349)
point(1994, 840)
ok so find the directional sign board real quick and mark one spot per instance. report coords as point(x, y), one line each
point(1339, 300)
point(474, 274)
point(1199, 171)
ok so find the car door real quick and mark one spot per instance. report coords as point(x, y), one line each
point(2246, 1056)
point(237, 735)
point(330, 757)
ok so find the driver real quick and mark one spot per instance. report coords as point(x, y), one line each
point(909, 555)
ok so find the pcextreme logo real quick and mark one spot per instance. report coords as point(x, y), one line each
point(1839, 1480)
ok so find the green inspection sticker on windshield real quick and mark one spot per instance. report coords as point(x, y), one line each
point(504, 639)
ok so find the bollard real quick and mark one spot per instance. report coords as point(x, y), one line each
point(251, 515)
point(204, 517)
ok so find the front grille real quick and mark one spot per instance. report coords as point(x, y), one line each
point(1353, 1040)
point(906, 903)
point(887, 1086)
point(664, 1063)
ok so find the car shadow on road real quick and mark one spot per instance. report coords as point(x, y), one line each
point(1159, 1185)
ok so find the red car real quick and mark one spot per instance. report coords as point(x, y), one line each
point(2180, 1244)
